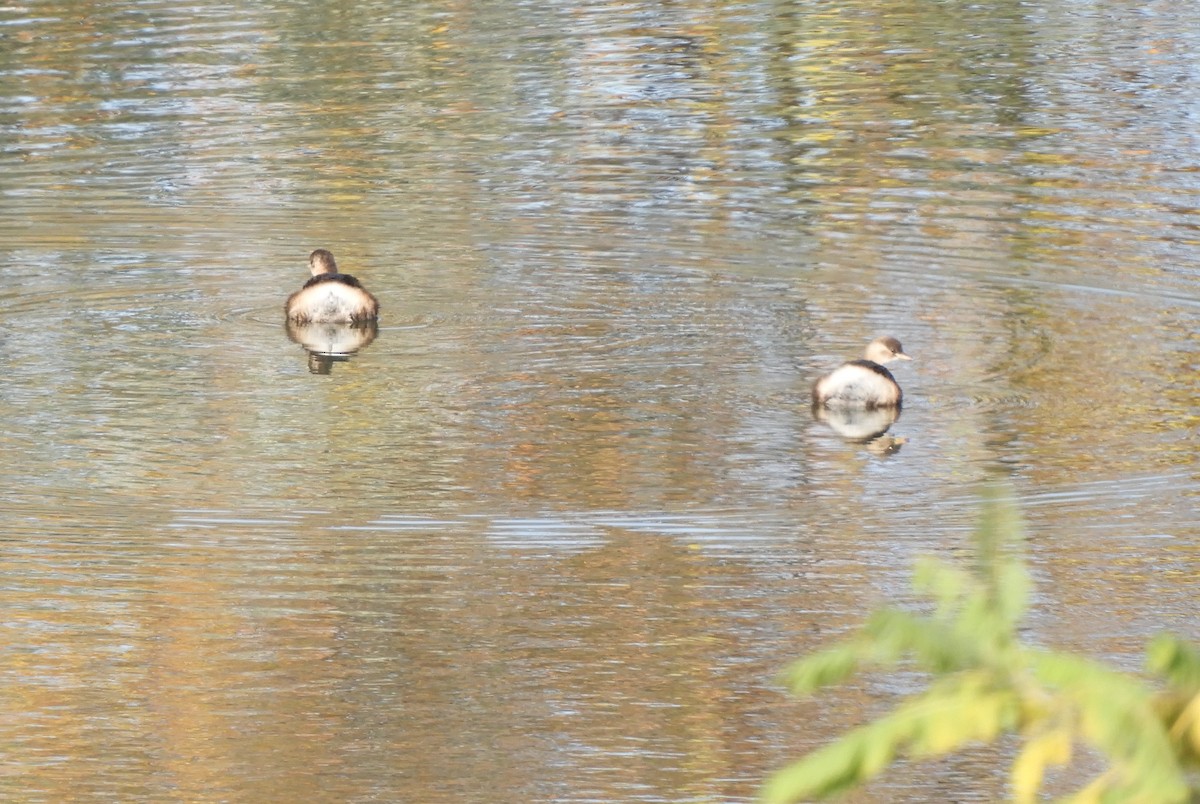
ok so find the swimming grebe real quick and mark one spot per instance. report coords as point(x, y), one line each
point(863, 383)
point(330, 297)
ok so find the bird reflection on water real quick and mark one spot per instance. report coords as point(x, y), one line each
point(331, 343)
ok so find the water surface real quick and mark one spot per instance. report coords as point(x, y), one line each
point(552, 534)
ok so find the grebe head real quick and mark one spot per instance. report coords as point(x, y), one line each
point(881, 350)
point(321, 262)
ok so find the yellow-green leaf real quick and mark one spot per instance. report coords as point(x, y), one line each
point(1050, 748)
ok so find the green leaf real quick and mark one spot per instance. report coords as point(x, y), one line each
point(830, 666)
point(937, 647)
point(835, 768)
point(946, 584)
point(1013, 586)
point(946, 718)
point(957, 711)
point(1175, 659)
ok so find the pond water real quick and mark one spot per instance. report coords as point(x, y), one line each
point(554, 532)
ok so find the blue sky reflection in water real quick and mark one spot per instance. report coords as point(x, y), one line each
point(551, 534)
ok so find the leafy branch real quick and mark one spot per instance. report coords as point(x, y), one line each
point(985, 683)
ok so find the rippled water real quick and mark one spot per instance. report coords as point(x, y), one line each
point(551, 535)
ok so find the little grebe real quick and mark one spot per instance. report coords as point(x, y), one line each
point(863, 383)
point(330, 297)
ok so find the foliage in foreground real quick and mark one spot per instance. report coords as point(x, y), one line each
point(986, 684)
